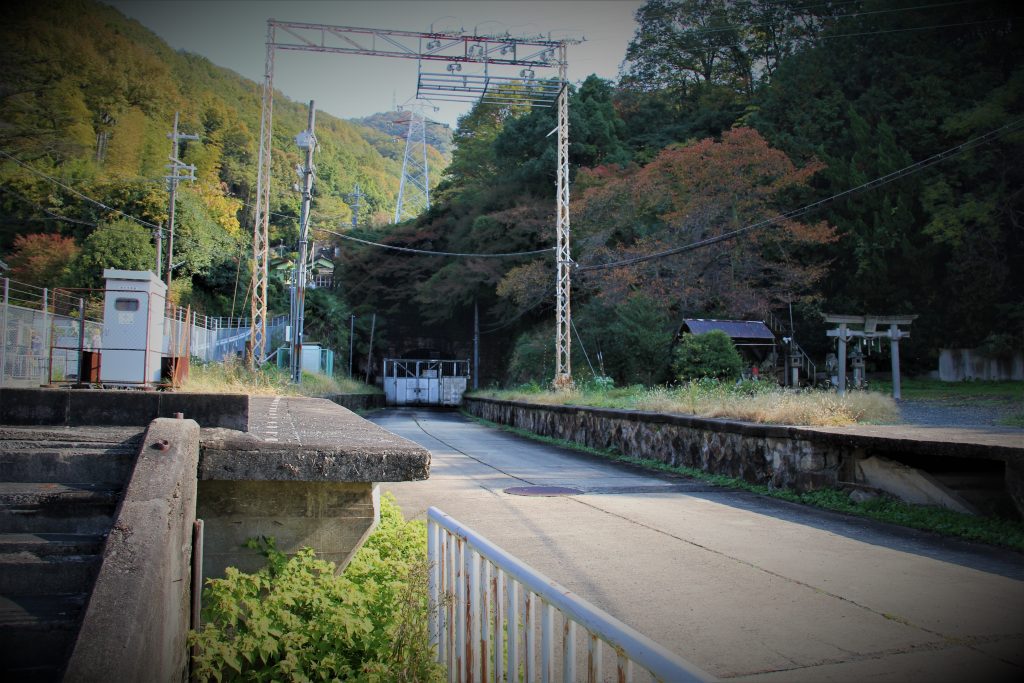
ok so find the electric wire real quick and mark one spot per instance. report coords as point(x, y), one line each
point(76, 192)
point(425, 252)
point(807, 208)
point(579, 338)
point(48, 212)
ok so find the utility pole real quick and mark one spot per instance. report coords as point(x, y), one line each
point(351, 341)
point(369, 351)
point(306, 140)
point(158, 236)
point(176, 168)
point(353, 199)
point(476, 345)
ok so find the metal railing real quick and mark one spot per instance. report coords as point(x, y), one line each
point(43, 336)
point(487, 605)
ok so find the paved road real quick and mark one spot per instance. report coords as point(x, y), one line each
point(747, 588)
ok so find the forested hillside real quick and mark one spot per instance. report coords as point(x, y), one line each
point(727, 114)
point(88, 98)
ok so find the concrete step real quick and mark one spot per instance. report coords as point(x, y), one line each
point(34, 507)
point(51, 574)
point(49, 464)
point(46, 545)
point(36, 634)
point(72, 435)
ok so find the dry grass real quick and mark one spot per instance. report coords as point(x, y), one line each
point(232, 377)
point(751, 403)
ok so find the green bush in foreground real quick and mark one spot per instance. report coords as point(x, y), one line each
point(294, 620)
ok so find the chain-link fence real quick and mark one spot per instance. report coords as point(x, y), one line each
point(55, 336)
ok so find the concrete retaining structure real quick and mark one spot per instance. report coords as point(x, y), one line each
point(135, 625)
point(317, 488)
point(957, 365)
point(801, 458)
point(358, 401)
point(75, 407)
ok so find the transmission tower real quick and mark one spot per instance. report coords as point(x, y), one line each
point(353, 199)
point(414, 190)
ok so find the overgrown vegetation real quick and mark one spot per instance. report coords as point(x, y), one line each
point(295, 620)
point(710, 355)
point(761, 401)
point(234, 377)
point(884, 509)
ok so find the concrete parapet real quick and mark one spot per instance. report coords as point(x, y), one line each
point(77, 407)
point(233, 456)
point(135, 626)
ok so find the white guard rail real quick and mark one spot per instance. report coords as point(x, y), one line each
point(487, 604)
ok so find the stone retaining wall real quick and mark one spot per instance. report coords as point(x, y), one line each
point(764, 454)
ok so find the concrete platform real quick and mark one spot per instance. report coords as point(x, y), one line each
point(305, 473)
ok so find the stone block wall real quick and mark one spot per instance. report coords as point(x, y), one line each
point(763, 454)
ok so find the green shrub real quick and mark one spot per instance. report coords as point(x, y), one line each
point(532, 360)
point(294, 620)
point(711, 354)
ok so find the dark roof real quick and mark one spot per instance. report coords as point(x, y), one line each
point(736, 329)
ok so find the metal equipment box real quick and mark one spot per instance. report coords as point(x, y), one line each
point(133, 327)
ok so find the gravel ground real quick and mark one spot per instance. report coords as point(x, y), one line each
point(958, 413)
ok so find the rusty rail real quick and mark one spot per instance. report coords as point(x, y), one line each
point(487, 605)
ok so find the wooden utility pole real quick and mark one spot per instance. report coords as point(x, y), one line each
point(369, 351)
point(176, 167)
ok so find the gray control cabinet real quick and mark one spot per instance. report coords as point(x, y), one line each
point(133, 327)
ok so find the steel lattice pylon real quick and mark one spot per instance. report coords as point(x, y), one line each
point(414, 190)
point(488, 53)
point(260, 232)
point(563, 255)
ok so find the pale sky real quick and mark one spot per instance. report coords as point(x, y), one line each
point(232, 34)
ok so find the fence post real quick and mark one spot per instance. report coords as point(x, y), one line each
point(3, 331)
point(81, 335)
point(46, 330)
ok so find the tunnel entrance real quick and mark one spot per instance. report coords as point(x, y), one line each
point(418, 381)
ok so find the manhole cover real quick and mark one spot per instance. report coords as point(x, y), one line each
point(542, 491)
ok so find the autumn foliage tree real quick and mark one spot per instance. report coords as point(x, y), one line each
point(691, 193)
point(42, 259)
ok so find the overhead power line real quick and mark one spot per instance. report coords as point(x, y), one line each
point(795, 213)
point(424, 252)
point(75, 192)
point(39, 207)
